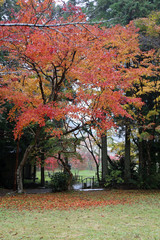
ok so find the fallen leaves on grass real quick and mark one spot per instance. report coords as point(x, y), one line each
point(74, 200)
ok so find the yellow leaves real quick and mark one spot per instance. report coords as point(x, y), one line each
point(145, 136)
point(1, 2)
point(157, 99)
point(152, 113)
point(149, 25)
point(125, 40)
point(150, 87)
point(31, 86)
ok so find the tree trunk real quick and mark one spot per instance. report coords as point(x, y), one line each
point(142, 158)
point(34, 173)
point(16, 167)
point(149, 160)
point(104, 157)
point(42, 171)
point(20, 168)
point(127, 160)
point(141, 161)
point(66, 164)
point(97, 173)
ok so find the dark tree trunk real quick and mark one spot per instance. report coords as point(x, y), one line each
point(42, 171)
point(16, 167)
point(149, 160)
point(34, 173)
point(104, 157)
point(141, 160)
point(97, 173)
point(142, 157)
point(127, 162)
point(66, 165)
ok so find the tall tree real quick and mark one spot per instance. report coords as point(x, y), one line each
point(51, 56)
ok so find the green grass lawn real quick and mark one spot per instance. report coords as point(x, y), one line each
point(125, 215)
point(83, 173)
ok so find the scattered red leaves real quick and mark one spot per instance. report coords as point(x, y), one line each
point(75, 200)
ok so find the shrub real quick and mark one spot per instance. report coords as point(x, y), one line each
point(114, 178)
point(149, 182)
point(59, 182)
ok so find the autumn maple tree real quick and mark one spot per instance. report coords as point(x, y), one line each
point(62, 69)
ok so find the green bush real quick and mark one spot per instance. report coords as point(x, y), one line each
point(119, 165)
point(59, 182)
point(114, 178)
point(148, 182)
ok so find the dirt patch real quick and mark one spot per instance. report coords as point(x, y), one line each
point(38, 190)
point(4, 192)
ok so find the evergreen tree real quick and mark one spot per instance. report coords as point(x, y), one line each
point(119, 12)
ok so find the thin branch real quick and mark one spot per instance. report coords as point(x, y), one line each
point(40, 85)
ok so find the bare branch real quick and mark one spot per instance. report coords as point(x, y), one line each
point(47, 25)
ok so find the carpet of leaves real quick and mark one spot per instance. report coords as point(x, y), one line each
point(74, 200)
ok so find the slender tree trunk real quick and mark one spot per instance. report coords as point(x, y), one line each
point(97, 165)
point(90, 149)
point(97, 173)
point(142, 161)
point(66, 164)
point(149, 160)
point(20, 169)
point(16, 167)
point(127, 160)
point(34, 173)
point(42, 171)
point(104, 157)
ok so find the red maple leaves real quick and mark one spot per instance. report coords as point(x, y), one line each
point(74, 200)
point(70, 70)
